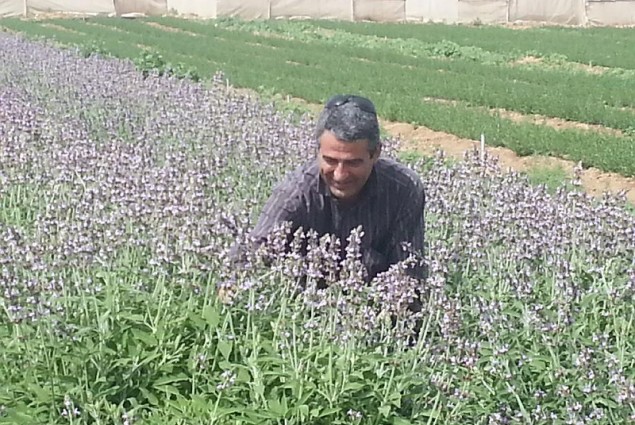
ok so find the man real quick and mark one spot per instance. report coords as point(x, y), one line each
point(348, 185)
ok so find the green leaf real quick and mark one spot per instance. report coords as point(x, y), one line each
point(200, 403)
point(167, 389)
point(226, 411)
point(400, 421)
point(152, 399)
point(211, 316)
point(170, 379)
point(197, 321)
point(277, 408)
point(136, 318)
point(608, 403)
point(538, 365)
point(225, 348)
point(259, 389)
point(384, 411)
point(243, 375)
point(353, 386)
point(43, 396)
point(145, 337)
point(434, 414)
point(225, 365)
point(16, 418)
point(303, 412)
point(326, 412)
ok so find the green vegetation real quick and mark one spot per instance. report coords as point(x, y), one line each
point(552, 178)
point(411, 79)
point(121, 196)
point(611, 47)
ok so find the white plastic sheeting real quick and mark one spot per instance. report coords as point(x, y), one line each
point(198, 8)
point(486, 11)
point(379, 10)
point(246, 9)
point(71, 6)
point(611, 13)
point(145, 7)
point(12, 8)
point(325, 9)
point(432, 10)
point(568, 12)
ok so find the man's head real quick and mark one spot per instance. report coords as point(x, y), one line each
point(347, 133)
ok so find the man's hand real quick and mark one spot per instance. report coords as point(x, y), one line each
point(225, 295)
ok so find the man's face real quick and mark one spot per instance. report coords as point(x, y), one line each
point(345, 166)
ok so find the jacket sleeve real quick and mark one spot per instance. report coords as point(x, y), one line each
point(283, 206)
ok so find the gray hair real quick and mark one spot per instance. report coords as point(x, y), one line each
point(349, 123)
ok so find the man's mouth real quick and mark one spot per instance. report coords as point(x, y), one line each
point(341, 186)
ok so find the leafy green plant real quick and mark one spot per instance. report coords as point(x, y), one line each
point(92, 48)
point(152, 61)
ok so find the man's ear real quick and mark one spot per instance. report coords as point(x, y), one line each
point(376, 153)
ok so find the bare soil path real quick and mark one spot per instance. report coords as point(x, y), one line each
point(426, 141)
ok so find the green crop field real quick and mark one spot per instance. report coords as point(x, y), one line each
point(458, 79)
point(124, 185)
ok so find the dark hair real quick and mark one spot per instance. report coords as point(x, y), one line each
point(350, 118)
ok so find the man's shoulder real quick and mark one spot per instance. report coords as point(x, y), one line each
point(398, 176)
point(300, 179)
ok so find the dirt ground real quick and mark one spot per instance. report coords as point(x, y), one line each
point(426, 141)
point(171, 29)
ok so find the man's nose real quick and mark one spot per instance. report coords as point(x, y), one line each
point(340, 172)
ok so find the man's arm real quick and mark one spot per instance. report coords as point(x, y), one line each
point(284, 205)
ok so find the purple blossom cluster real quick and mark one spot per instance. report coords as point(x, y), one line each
point(102, 169)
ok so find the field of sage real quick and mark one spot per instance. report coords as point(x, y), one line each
point(458, 79)
point(120, 195)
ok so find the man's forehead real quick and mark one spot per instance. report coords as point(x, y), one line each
point(329, 140)
point(348, 150)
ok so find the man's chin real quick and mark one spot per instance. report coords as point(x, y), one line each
point(342, 194)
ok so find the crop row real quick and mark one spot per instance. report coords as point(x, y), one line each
point(604, 100)
point(611, 47)
point(548, 91)
point(313, 71)
point(545, 92)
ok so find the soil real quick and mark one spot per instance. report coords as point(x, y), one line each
point(426, 141)
point(110, 28)
point(59, 28)
point(591, 69)
point(170, 29)
point(557, 123)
